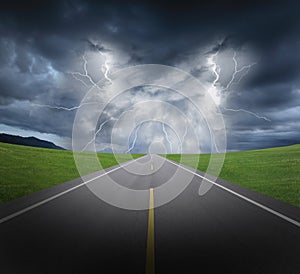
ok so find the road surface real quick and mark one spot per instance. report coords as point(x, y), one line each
point(68, 229)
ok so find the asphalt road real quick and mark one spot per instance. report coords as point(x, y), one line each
point(68, 229)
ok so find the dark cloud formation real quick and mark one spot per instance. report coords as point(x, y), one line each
point(43, 41)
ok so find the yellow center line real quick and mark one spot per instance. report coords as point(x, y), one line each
point(150, 263)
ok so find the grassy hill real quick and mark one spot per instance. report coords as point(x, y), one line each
point(27, 141)
point(274, 171)
point(25, 169)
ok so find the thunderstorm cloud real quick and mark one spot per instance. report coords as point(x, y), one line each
point(244, 53)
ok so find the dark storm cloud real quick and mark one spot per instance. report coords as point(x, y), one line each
point(164, 31)
point(39, 35)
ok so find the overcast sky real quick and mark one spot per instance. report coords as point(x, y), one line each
point(246, 54)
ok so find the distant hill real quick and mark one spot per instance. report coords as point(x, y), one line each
point(27, 141)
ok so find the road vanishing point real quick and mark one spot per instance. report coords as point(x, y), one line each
point(68, 229)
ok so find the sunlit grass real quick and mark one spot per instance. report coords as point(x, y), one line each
point(274, 172)
point(24, 169)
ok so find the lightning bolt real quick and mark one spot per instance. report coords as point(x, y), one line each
point(167, 136)
point(61, 107)
point(74, 74)
point(182, 140)
point(95, 135)
point(249, 112)
point(105, 67)
point(134, 140)
point(238, 70)
point(84, 75)
point(216, 70)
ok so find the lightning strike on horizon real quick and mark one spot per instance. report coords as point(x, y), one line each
point(215, 144)
point(182, 140)
point(134, 140)
point(167, 136)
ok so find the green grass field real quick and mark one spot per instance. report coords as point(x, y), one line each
point(274, 172)
point(24, 169)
